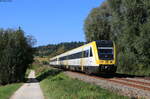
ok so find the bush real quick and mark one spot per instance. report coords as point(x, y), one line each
point(45, 62)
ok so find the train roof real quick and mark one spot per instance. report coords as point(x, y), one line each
point(73, 49)
point(99, 42)
point(104, 43)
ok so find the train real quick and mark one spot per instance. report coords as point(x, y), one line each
point(94, 57)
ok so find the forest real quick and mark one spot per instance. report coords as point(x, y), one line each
point(126, 22)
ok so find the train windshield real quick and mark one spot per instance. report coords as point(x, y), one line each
point(105, 50)
point(105, 53)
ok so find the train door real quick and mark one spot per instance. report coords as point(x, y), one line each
point(90, 57)
point(57, 62)
point(86, 56)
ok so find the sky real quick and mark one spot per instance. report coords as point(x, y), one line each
point(48, 21)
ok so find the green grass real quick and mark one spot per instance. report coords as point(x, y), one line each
point(56, 85)
point(8, 90)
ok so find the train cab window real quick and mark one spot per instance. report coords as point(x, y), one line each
point(91, 54)
point(105, 53)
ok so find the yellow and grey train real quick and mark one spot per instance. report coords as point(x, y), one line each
point(94, 57)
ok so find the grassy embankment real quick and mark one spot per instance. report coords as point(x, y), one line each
point(56, 85)
point(7, 91)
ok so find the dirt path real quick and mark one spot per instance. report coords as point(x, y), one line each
point(30, 90)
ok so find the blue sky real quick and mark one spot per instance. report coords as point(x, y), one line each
point(49, 21)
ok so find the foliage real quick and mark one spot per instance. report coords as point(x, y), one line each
point(129, 28)
point(133, 41)
point(16, 53)
point(45, 62)
point(56, 49)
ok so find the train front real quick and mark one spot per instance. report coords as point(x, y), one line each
point(106, 56)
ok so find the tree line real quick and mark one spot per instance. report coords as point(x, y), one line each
point(127, 23)
point(16, 53)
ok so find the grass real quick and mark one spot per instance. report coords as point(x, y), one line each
point(8, 90)
point(56, 85)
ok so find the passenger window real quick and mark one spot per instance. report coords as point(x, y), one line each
point(91, 54)
point(86, 53)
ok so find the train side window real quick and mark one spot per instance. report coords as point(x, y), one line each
point(91, 54)
point(86, 53)
point(80, 55)
point(75, 56)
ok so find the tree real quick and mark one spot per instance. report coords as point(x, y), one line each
point(16, 54)
point(97, 24)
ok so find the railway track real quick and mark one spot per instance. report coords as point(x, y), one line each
point(135, 81)
point(130, 86)
point(144, 78)
point(124, 81)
